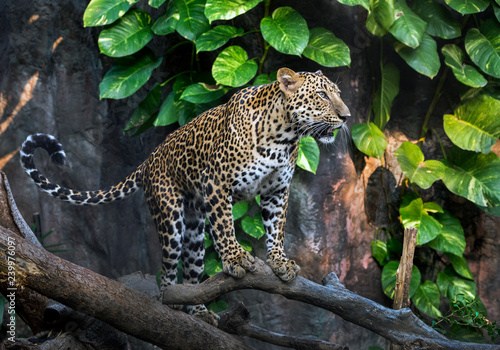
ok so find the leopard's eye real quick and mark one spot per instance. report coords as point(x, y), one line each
point(323, 95)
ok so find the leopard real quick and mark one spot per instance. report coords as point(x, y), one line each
point(236, 151)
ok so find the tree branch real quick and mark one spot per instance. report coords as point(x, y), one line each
point(399, 326)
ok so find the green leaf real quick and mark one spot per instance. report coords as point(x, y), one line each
point(127, 35)
point(466, 7)
point(253, 226)
point(217, 306)
point(496, 11)
point(203, 93)
point(262, 79)
point(286, 31)
point(364, 3)
point(426, 299)
point(475, 126)
point(192, 21)
point(483, 47)
point(466, 74)
point(385, 95)
point(379, 252)
point(439, 20)
point(212, 264)
point(408, 28)
point(431, 207)
point(101, 12)
point(460, 266)
point(228, 9)
point(451, 239)
point(156, 3)
point(146, 108)
point(452, 286)
point(475, 176)
point(388, 280)
point(240, 209)
point(246, 245)
point(413, 215)
point(369, 139)
point(207, 241)
point(327, 50)
point(308, 156)
point(383, 13)
point(128, 75)
point(373, 26)
point(424, 59)
point(167, 114)
point(423, 173)
point(217, 37)
point(166, 23)
point(232, 67)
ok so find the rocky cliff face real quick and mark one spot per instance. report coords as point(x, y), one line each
point(50, 70)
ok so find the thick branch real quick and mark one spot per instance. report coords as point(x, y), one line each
point(123, 308)
point(399, 326)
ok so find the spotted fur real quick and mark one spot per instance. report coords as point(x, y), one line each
point(235, 151)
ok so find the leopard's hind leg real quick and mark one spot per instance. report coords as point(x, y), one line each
point(193, 253)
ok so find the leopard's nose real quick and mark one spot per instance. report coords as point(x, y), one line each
point(344, 117)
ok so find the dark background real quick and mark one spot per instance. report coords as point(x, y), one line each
point(50, 69)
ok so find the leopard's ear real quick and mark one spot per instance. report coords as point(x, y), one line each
point(289, 81)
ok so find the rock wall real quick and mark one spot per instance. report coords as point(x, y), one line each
point(50, 70)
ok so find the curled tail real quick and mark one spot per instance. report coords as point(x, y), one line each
point(54, 148)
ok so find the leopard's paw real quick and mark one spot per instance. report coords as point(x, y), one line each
point(206, 315)
point(238, 264)
point(284, 268)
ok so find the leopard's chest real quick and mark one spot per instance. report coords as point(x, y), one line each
point(268, 171)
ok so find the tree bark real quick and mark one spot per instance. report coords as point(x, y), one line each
point(110, 301)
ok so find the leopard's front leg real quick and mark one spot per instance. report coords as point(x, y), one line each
point(235, 260)
point(274, 206)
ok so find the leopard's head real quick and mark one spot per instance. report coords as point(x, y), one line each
point(313, 103)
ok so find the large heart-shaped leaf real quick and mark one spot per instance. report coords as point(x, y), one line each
point(439, 20)
point(451, 239)
point(426, 299)
point(233, 68)
point(373, 26)
point(240, 209)
point(308, 156)
point(483, 47)
point(385, 94)
point(466, 7)
point(228, 9)
point(369, 139)
point(388, 279)
point(146, 108)
point(383, 12)
point(127, 35)
point(192, 21)
point(364, 3)
point(174, 110)
point(217, 37)
point(286, 31)
point(203, 93)
point(466, 74)
point(326, 49)
point(411, 160)
point(460, 266)
point(166, 23)
point(128, 75)
point(424, 59)
point(475, 125)
point(451, 285)
point(253, 226)
point(414, 214)
point(408, 27)
point(101, 12)
point(379, 252)
point(475, 176)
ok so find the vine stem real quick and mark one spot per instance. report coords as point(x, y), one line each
point(432, 106)
point(267, 4)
